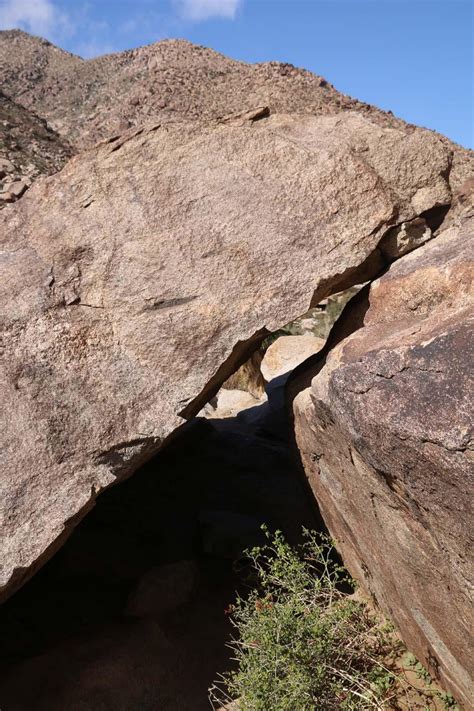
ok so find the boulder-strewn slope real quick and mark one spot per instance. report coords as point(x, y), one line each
point(28, 148)
point(386, 437)
point(93, 99)
point(90, 100)
point(162, 255)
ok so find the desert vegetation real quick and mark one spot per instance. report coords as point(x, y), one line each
point(305, 639)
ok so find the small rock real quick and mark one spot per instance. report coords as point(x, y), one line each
point(6, 166)
point(17, 188)
point(228, 403)
point(405, 237)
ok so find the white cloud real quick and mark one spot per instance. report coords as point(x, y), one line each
point(40, 17)
point(205, 9)
point(87, 37)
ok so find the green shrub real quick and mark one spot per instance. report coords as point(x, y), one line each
point(303, 644)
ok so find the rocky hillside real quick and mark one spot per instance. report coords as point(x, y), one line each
point(96, 98)
point(86, 101)
point(28, 148)
point(225, 201)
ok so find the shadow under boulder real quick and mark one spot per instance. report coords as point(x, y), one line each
point(131, 612)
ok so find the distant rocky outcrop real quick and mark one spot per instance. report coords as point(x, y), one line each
point(28, 149)
point(385, 433)
point(93, 99)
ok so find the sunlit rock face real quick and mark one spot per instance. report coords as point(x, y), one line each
point(385, 434)
point(136, 280)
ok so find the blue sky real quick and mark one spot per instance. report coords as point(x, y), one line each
point(414, 57)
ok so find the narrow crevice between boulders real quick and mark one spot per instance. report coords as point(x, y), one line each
point(352, 316)
point(240, 353)
point(301, 377)
point(374, 265)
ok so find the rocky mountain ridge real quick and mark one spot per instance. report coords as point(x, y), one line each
point(86, 101)
point(89, 100)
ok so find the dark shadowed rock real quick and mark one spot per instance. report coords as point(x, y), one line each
point(385, 433)
point(162, 589)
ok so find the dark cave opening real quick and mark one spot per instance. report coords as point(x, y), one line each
point(130, 613)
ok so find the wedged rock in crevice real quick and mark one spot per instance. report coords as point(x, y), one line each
point(229, 403)
point(287, 352)
point(158, 252)
point(405, 238)
point(385, 436)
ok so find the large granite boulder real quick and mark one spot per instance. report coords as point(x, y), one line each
point(385, 434)
point(136, 280)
